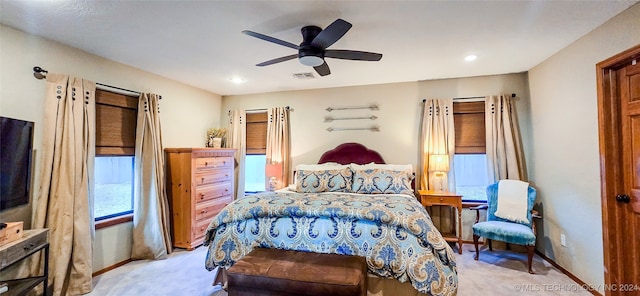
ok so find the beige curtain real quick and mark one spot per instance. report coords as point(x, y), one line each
point(504, 149)
point(237, 139)
point(279, 141)
point(66, 183)
point(151, 238)
point(437, 137)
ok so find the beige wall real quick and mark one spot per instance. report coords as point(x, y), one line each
point(564, 153)
point(559, 134)
point(399, 116)
point(186, 112)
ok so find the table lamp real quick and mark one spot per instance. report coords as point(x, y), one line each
point(273, 171)
point(439, 165)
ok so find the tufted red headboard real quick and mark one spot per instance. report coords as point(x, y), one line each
point(351, 153)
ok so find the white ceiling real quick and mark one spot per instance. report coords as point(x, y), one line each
point(199, 42)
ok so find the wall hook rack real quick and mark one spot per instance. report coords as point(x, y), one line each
point(339, 129)
point(370, 107)
point(330, 119)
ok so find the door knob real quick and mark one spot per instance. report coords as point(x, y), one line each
point(623, 198)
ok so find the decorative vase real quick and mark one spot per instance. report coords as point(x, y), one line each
point(216, 142)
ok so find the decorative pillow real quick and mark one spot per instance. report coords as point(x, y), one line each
point(379, 181)
point(314, 181)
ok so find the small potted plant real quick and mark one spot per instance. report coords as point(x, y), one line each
point(214, 137)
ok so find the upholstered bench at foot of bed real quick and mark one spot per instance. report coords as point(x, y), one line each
point(283, 272)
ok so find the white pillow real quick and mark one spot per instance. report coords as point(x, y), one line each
point(321, 167)
point(388, 167)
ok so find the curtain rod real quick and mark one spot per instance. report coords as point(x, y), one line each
point(261, 109)
point(43, 73)
point(470, 98)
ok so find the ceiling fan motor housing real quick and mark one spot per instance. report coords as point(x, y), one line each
point(309, 55)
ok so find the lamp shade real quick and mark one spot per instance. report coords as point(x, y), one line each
point(273, 170)
point(438, 163)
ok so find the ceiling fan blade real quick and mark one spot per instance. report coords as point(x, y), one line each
point(323, 69)
point(352, 55)
point(270, 39)
point(331, 34)
point(278, 60)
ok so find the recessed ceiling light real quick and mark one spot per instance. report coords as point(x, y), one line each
point(237, 80)
point(471, 57)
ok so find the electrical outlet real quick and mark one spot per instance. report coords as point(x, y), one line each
point(563, 240)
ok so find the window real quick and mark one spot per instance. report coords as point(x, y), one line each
point(116, 116)
point(470, 160)
point(256, 159)
point(470, 127)
point(257, 133)
point(471, 176)
point(114, 186)
point(255, 180)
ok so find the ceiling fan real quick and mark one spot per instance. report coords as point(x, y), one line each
point(313, 49)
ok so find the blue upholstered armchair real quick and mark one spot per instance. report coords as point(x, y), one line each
point(496, 228)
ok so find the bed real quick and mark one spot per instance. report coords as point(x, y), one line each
point(349, 203)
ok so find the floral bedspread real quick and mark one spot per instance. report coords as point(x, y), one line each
point(394, 233)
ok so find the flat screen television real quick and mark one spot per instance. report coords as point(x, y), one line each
point(16, 145)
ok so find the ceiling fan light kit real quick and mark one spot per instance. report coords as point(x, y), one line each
point(310, 60)
point(313, 49)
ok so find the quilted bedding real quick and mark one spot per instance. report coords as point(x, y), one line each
point(392, 231)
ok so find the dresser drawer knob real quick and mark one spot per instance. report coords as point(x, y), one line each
point(203, 212)
point(206, 163)
point(29, 246)
point(202, 180)
point(201, 195)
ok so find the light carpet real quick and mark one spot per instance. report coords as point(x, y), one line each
point(497, 273)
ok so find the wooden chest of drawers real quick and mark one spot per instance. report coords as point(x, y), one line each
point(199, 184)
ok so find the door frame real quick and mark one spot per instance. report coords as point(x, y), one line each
point(611, 168)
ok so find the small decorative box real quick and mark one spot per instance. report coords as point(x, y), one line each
point(12, 232)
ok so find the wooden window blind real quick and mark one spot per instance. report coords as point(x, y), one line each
point(257, 133)
point(116, 118)
point(470, 127)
